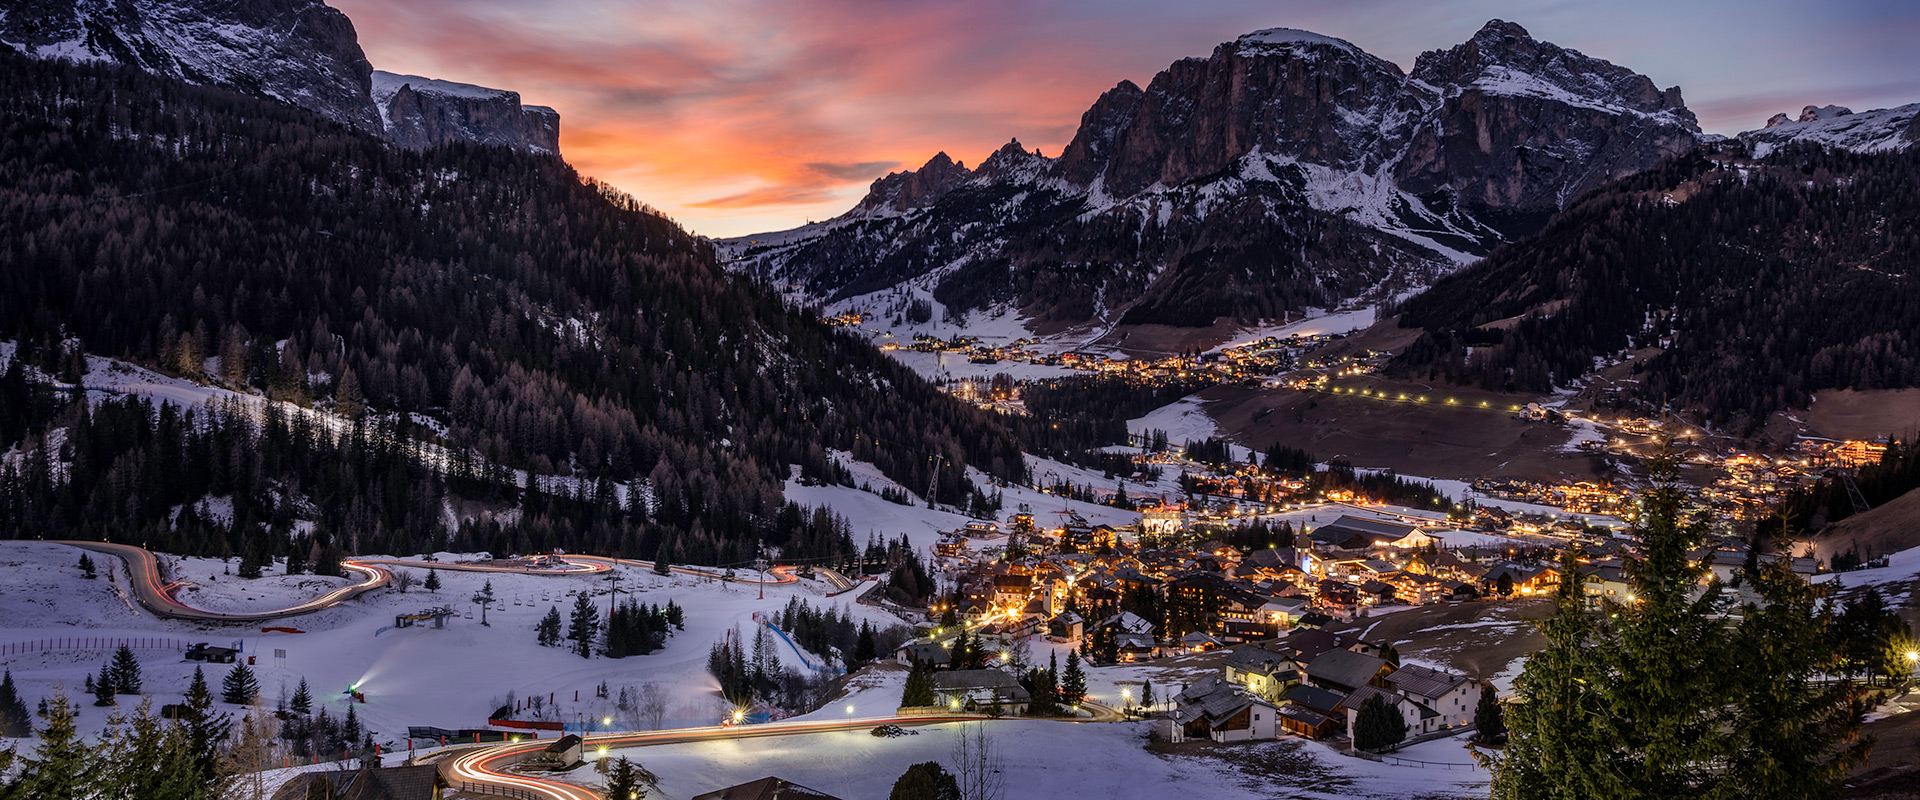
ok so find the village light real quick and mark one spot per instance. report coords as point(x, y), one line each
point(607, 721)
point(738, 715)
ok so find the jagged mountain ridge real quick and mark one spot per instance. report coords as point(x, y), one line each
point(302, 52)
point(1877, 131)
point(1284, 170)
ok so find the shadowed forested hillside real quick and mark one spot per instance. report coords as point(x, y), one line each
point(489, 301)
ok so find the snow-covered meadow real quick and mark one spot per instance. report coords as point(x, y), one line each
point(451, 677)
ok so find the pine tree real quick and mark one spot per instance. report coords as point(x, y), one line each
point(103, 687)
point(14, 720)
point(1073, 683)
point(302, 703)
point(1146, 696)
point(61, 766)
point(433, 580)
point(584, 627)
point(143, 757)
point(866, 649)
point(1378, 725)
point(1489, 721)
point(1790, 736)
point(239, 687)
point(661, 564)
point(206, 729)
point(547, 633)
point(1667, 652)
point(919, 689)
point(676, 616)
point(1553, 749)
point(350, 726)
point(126, 671)
point(623, 781)
point(86, 566)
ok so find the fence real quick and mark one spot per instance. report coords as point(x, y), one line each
point(91, 643)
point(501, 791)
point(1388, 758)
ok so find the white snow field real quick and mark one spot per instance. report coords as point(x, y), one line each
point(451, 677)
point(1045, 759)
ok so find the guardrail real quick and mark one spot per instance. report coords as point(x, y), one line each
point(501, 791)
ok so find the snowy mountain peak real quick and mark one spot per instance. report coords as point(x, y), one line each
point(1503, 59)
point(1877, 131)
point(908, 190)
point(1817, 113)
point(1287, 168)
point(1275, 38)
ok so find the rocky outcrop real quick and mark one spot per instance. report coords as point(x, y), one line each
point(1289, 94)
point(298, 51)
point(915, 188)
point(1285, 169)
point(419, 113)
point(1526, 125)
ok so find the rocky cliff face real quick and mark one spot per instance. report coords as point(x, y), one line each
point(419, 113)
point(1525, 125)
point(1285, 169)
point(297, 51)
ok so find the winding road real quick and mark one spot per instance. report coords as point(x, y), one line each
point(157, 595)
point(484, 765)
point(154, 592)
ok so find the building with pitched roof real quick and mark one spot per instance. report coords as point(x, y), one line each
point(1216, 710)
point(1451, 697)
point(1348, 671)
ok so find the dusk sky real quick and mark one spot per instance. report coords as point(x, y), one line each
point(742, 116)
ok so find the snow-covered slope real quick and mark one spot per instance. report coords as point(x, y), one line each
point(1877, 131)
point(57, 627)
point(1287, 169)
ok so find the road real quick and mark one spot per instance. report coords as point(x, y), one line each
point(484, 765)
point(154, 592)
point(157, 595)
